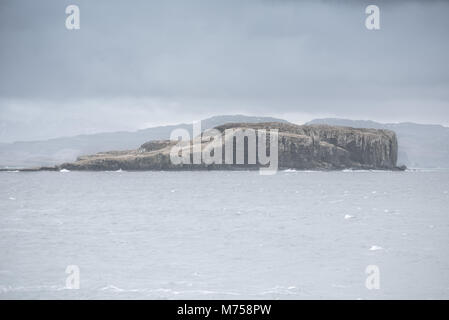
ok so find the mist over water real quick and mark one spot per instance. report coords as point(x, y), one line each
point(232, 235)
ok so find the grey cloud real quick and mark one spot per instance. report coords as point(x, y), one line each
point(209, 57)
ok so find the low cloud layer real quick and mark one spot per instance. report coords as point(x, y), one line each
point(145, 63)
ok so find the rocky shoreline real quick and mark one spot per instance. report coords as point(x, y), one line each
point(301, 147)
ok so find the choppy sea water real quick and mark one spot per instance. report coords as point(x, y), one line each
point(227, 235)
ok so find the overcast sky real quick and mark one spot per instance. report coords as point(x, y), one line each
point(135, 64)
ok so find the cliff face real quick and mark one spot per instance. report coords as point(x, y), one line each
point(319, 147)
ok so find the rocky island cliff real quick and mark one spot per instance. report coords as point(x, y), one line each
point(302, 147)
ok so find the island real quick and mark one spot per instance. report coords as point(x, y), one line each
point(300, 147)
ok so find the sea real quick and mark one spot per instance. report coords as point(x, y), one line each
point(224, 235)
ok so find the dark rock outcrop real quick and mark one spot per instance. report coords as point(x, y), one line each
point(318, 147)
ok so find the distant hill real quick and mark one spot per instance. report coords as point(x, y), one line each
point(65, 149)
point(420, 145)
